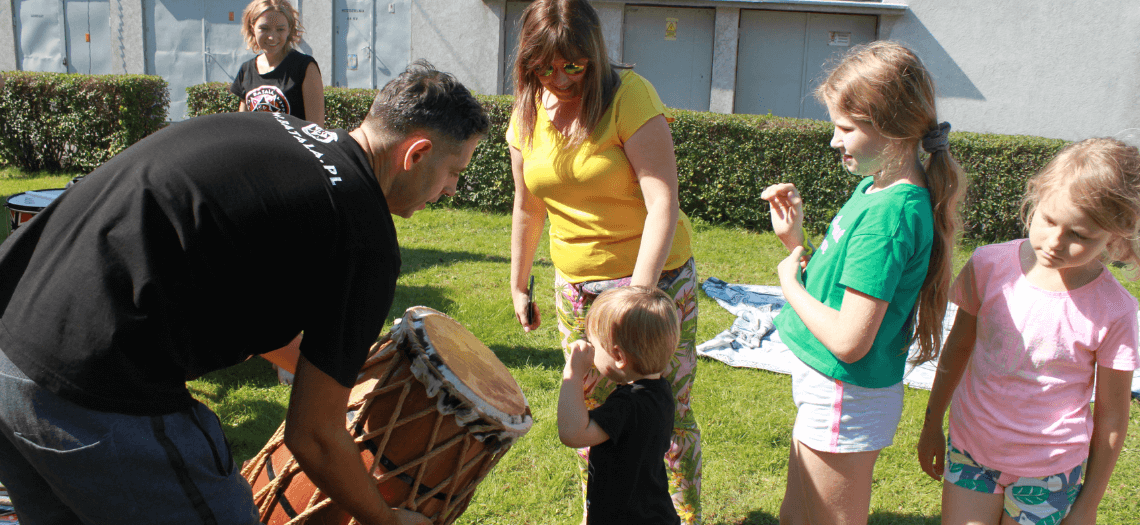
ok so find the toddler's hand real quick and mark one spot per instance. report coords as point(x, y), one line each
point(581, 358)
point(932, 451)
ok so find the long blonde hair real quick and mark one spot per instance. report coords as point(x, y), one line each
point(1103, 179)
point(569, 28)
point(256, 8)
point(885, 85)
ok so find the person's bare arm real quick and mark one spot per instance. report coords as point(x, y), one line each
point(575, 428)
point(527, 219)
point(951, 365)
point(313, 91)
point(315, 433)
point(848, 332)
point(650, 153)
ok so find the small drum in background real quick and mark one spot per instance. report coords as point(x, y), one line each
point(433, 410)
point(23, 206)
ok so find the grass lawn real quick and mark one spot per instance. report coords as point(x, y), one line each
point(457, 262)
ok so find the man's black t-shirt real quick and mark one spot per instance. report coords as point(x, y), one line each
point(212, 240)
point(627, 483)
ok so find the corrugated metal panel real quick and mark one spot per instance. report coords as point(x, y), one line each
point(224, 46)
point(513, 17)
point(189, 42)
point(41, 39)
point(782, 56)
point(372, 42)
point(88, 36)
point(673, 49)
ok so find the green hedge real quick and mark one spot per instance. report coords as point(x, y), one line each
point(725, 161)
point(59, 121)
point(344, 108)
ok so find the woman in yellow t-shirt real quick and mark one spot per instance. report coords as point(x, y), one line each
point(591, 149)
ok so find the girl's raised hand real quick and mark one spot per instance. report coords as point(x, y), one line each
point(787, 212)
point(932, 451)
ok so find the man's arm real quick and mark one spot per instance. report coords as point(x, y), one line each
point(315, 432)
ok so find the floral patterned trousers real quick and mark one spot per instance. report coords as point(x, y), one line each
point(683, 460)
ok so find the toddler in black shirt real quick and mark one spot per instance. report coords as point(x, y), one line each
point(631, 333)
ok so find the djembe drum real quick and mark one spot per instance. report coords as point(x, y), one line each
point(433, 410)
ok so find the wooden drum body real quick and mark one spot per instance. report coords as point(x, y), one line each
point(433, 410)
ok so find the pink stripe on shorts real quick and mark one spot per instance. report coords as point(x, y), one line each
point(839, 417)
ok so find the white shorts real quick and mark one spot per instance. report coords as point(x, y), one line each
point(839, 417)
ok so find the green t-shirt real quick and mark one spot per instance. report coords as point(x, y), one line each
point(878, 244)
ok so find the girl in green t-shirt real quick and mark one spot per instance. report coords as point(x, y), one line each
point(882, 267)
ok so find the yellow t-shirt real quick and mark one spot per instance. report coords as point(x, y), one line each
point(596, 209)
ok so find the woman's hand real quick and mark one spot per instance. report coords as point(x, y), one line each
point(521, 302)
point(787, 213)
point(932, 450)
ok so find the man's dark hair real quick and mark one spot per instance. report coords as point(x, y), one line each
point(423, 98)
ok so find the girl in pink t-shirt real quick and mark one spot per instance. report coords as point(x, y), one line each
point(1040, 321)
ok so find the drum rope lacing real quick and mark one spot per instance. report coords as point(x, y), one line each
point(431, 374)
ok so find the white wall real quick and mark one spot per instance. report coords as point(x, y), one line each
point(317, 19)
point(127, 39)
point(8, 59)
point(723, 95)
point(612, 17)
point(461, 37)
point(1053, 68)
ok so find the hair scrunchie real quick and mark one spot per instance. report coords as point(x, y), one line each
point(937, 139)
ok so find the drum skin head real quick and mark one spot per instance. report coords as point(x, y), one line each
point(472, 362)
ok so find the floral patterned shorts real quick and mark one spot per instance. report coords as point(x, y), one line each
point(1029, 501)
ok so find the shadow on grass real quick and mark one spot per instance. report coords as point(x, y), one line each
point(409, 296)
point(416, 259)
point(756, 517)
point(252, 433)
point(520, 356)
point(895, 518)
point(759, 517)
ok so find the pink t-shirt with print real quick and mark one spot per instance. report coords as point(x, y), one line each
point(1022, 406)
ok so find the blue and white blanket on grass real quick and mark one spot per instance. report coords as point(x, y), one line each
point(753, 341)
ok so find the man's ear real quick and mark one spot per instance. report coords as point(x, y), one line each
point(417, 151)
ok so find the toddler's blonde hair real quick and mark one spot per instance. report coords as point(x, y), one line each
point(642, 321)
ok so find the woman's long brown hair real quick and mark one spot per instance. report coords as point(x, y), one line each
point(572, 30)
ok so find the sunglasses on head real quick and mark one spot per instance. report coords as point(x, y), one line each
point(571, 68)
